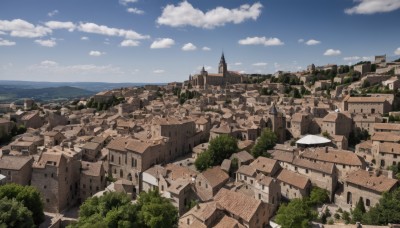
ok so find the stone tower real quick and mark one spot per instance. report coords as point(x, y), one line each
point(278, 123)
point(222, 67)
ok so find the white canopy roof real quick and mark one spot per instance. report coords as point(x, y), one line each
point(313, 139)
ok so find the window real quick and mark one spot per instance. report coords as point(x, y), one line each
point(48, 200)
point(259, 196)
point(367, 202)
point(112, 158)
point(206, 185)
point(199, 183)
point(84, 186)
point(121, 173)
point(45, 175)
point(306, 170)
point(119, 160)
point(45, 187)
point(372, 110)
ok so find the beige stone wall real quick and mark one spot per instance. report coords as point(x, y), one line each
point(291, 192)
point(369, 108)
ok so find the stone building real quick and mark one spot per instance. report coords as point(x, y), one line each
point(366, 105)
point(222, 78)
point(16, 169)
point(336, 123)
point(293, 185)
point(209, 182)
point(299, 124)
point(92, 179)
point(363, 68)
point(365, 186)
point(56, 176)
point(344, 160)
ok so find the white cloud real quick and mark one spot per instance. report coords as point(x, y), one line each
point(135, 11)
point(237, 64)
point(105, 30)
point(300, 40)
point(332, 52)
point(357, 58)
point(47, 43)
point(189, 47)
point(260, 64)
point(162, 43)
point(21, 28)
point(61, 25)
point(159, 71)
point(96, 53)
point(52, 67)
point(48, 63)
point(373, 6)
point(206, 49)
point(52, 13)
point(261, 41)
point(185, 14)
point(4, 42)
point(312, 42)
point(397, 51)
point(129, 43)
point(125, 2)
point(84, 38)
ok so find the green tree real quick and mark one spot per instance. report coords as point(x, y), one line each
point(203, 161)
point(14, 214)
point(386, 211)
point(358, 212)
point(110, 210)
point(295, 214)
point(29, 196)
point(156, 211)
point(265, 142)
point(318, 196)
point(220, 148)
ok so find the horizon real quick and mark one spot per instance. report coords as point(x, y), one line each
point(131, 41)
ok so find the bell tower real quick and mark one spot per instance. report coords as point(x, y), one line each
point(222, 67)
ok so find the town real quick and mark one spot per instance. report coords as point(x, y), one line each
point(318, 146)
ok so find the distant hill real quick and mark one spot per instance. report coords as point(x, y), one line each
point(15, 92)
point(91, 86)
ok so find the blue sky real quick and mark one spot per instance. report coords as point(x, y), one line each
point(162, 41)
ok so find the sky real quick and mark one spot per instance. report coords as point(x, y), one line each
point(158, 41)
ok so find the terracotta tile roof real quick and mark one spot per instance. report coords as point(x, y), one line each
point(247, 170)
point(263, 164)
point(319, 167)
point(388, 147)
point(91, 168)
point(49, 158)
point(228, 222)
point(139, 146)
point(240, 205)
point(331, 155)
point(226, 165)
point(14, 162)
point(333, 117)
point(365, 145)
point(365, 99)
point(387, 126)
point(118, 144)
point(385, 136)
point(175, 172)
point(215, 176)
point(203, 211)
point(28, 116)
point(201, 121)
point(91, 146)
point(293, 179)
point(282, 156)
point(242, 156)
point(264, 180)
point(365, 179)
point(51, 133)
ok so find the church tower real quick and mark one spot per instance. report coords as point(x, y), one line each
point(222, 67)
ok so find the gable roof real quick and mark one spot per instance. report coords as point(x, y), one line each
point(240, 205)
point(215, 176)
point(293, 179)
point(370, 181)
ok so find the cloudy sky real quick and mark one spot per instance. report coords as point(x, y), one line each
point(161, 41)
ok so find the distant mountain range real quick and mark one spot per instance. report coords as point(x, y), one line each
point(91, 86)
point(15, 93)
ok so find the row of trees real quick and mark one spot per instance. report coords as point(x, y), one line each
point(6, 137)
point(104, 105)
point(116, 210)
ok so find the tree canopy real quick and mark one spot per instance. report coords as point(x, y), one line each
point(116, 210)
point(386, 211)
point(295, 214)
point(14, 214)
point(220, 148)
point(318, 196)
point(265, 142)
point(27, 195)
